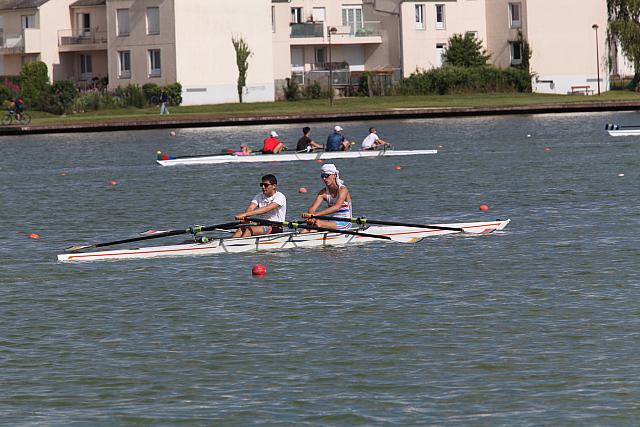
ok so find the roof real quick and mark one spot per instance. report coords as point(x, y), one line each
point(81, 3)
point(21, 4)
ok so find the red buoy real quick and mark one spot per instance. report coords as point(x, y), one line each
point(114, 182)
point(34, 236)
point(398, 168)
point(484, 208)
point(302, 190)
point(259, 270)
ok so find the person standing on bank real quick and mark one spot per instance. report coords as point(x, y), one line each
point(372, 140)
point(305, 143)
point(164, 100)
point(337, 142)
point(272, 145)
point(270, 205)
point(338, 199)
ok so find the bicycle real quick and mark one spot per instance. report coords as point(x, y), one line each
point(10, 116)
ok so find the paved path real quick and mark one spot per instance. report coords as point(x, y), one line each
point(210, 120)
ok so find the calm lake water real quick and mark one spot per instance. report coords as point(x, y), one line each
point(537, 325)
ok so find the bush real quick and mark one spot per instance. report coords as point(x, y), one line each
point(130, 96)
point(5, 94)
point(91, 101)
point(292, 89)
point(174, 93)
point(35, 84)
point(313, 91)
point(61, 97)
point(151, 90)
point(449, 80)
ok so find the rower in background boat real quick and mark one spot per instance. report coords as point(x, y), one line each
point(270, 204)
point(338, 199)
point(305, 143)
point(336, 141)
point(372, 141)
point(244, 150)
point(272, 145)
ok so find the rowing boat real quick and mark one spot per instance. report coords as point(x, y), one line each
point(285, 240)
point(286, 157)
point(619, 130)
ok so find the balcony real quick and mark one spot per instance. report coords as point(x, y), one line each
point(82, 40)
point(314, 33)
point(11, 44)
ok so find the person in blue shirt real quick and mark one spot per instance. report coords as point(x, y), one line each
point(337, 142)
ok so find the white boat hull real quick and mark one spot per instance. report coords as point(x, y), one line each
point(288, 157)
point(286, 240)
point(624, 132)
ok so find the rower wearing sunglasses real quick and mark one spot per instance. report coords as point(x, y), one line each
point(338, 199)
point(270, 204)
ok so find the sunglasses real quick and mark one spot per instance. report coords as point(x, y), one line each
point(325, 175)
point(265, 184)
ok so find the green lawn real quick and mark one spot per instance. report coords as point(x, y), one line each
point(356, 104)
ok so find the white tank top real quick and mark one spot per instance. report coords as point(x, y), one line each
point(345, 210)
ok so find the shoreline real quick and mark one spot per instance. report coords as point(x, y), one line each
point(218, 120)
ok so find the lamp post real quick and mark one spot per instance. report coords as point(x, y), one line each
point(595, 27)
point(330, 31)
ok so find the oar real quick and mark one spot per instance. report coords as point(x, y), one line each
point(191, 230)
point(610, 126)
point(296, 225)
point(363, 221)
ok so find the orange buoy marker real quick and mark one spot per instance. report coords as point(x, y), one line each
point(547, 149)
point(34, 236)
point(259, 270)
point(398, 168)
point(318, 160)
point(114, 182)
point(484, 207)
point(63, 173)
point(302, 190)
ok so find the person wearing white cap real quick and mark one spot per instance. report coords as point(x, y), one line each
point(337, 142)
point(271, 145)
point(338, 199)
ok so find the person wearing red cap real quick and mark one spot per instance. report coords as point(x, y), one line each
point(271, 145)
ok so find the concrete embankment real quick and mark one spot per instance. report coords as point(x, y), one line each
point(210, 120)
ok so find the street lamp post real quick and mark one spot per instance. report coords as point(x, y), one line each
point(595, 27)
point(330, 31)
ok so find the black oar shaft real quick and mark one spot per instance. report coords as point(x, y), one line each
point(363, 221)
point(294, 225)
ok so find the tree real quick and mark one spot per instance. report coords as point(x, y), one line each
point(242, 55)
point(35, 83)
point(624, 28)
point(465, 51)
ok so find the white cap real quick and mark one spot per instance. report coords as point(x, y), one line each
point(273, 133)
point(337, 128)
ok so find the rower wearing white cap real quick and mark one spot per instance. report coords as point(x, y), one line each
point(272, 145)
point(336, 141)
point(338, 199)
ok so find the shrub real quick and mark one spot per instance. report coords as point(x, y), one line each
point(5, 94)
point(292, 89)
point(61, 97)
point(174, 93)
point(465, 51)
point(130, 96)
point(151, 90)
point(35, 84)
point(313, 91)
point(91, 101)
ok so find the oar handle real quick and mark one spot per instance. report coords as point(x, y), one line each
point(295, 225)
point(363, 221)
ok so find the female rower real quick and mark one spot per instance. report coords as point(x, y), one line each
point(270, 204)
point(338, 199)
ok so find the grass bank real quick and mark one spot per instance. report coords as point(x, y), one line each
point(341, 105)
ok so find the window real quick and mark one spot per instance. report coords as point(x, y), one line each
point(420, 17)
point(124, 64)
point(516, 53)
point(320, 55)
point(439, 17)
point(273, 19)
point(122, 22)
point(86, 67)
point(296, 15)
point(28, 21)
point(440, 54)
point(153, 20)
point(84, 24)
point(154, 63)
point(352, 17)
point(318, 14)
point(514, 15)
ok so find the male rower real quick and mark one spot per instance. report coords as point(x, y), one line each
point(272, 145)
point(337, 142)
point(270, 205)
point(338, 199)
point(372, 140)
point(305, 143)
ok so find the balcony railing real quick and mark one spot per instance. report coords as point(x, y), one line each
point(80, 37)
point(369, 29)
point(307, 29)
point(12, 43)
